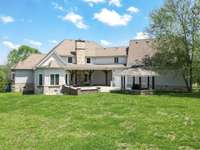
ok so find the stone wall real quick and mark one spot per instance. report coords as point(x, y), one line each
point(80, 52)
point(80, 56)
point(24, 87)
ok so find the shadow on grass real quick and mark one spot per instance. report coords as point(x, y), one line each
point(195, 94)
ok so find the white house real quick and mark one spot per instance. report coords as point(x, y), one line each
point(78, 63)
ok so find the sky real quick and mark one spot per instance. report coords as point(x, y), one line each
point(44, 23)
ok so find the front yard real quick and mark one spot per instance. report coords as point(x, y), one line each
point(100, 121)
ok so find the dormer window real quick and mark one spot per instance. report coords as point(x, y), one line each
point(116, 60)
point(88, 60)
point(70, 60)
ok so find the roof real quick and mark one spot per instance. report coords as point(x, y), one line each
point(92, 49)
point(67, 47)
point(138, 50)
point(138, 72)
point(93, 67)
point(107, 52)
point(30, 62)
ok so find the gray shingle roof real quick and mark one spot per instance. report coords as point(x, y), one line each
point(30, 62)
point(67, 48)
point(138, 50)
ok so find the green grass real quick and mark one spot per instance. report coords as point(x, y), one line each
point(100, 121)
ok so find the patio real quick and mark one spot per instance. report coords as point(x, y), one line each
point(71, 90)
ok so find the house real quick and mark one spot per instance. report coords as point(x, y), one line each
point(80, 63)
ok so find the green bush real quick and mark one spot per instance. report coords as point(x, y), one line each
point(2, 86)
point(3, 80)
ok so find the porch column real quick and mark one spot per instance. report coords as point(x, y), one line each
point(123, 83)
point(153, 82)
point(133, 84)
point(76, 79)
point(90, 76)
point(140, 82)
point(106, 77)
point(71, 73)
point(148, 79)
point(125, 77)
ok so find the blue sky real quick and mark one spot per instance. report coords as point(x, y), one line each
point(44, 23)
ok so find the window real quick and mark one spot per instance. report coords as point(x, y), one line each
point(69, 59)
point(116, 59)
point(40, 79)
point(54, 79)
point(88, 60)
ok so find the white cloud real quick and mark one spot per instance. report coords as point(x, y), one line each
point(105, 43)
point(133, 10)
point(92, 2)
point(53, 41)
point(34, 43)
point(76, 19)
point(115, 2)
point(142, 35)
point(6, 19)
point(58, 7)
point(112, 18)
point(10, 45)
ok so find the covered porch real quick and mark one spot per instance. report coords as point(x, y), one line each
point(80, 78)
point(138, 80)
point(89, 74)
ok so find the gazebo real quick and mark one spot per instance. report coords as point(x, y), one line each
point(138, 78)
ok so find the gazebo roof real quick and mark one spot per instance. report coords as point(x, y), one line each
point(142, 72)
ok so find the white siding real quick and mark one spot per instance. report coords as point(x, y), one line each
point(107, 60)
point(116, 77)
point(65, 59)
point(122, 60)
point(46, 83)
point(46, 74)
point(24, 76)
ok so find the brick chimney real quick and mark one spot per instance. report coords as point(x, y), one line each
point(80, 51)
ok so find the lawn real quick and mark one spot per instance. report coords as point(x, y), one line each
point(100, 121)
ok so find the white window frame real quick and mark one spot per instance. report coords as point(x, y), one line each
point(55, 82)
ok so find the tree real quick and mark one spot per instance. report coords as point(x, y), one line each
point(3, 77)
point(176, 28)
point(20, 54)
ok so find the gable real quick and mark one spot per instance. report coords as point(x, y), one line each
point(52, 61)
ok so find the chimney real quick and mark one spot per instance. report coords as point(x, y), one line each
point(80, 51)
